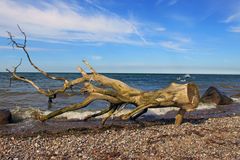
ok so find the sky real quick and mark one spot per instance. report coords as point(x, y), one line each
point(124, 36)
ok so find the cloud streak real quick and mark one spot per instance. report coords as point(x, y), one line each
point(177, 43)
point(172, 2)
point(232, 18)
point(169, 2)
point(173, 46)
point(59, 21)
point(96, 57)
point(235, 29)
point(28, 48)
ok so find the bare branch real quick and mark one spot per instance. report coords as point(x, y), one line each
point(15, 69)
point(89, 66)
point(25, 37)
point(16, 77)
point(84, 103)
point(23, 47)
point(117, 93)
point(84, 74)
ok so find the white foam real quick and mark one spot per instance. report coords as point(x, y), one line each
point(74, 115)
point(163, 111)
point(19, 114)
point(202, 106)
point(152, 111)
point(30, 113)
point(236, 100)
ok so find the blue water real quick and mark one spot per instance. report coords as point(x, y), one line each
point(24, 95)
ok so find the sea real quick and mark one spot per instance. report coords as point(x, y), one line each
point(21, 97)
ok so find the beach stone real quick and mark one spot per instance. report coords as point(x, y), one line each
point(213, 95)
point(235, 95)
point(5, 116)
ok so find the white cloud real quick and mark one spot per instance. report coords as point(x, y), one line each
point(232, 18)
point(5, 47)
point(178, 42)
point(174, 46)
point(95, 57)
point(160, 29)
point(182, 39)
point(28, 48)
point(59, 22)
point(186, 20)
point(159, 2)
point(64, 22)
point(172, 2)
point(169, 2)
point(235, 29)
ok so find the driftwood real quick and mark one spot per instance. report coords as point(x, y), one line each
point(213, 95)
point(118, 94)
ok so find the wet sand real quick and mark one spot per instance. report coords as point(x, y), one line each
point(205, 134)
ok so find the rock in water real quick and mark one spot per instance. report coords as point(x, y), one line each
point(213, 95)
point(5, 116)
point(235, 95)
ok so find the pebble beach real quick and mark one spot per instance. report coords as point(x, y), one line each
point(212, 138)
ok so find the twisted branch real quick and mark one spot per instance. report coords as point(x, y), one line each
point(117, 93)
point(23, 47)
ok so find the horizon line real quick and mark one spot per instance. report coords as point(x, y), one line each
point(58, 72)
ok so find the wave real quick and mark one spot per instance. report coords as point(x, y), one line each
point(20, 114)
point(236, 100)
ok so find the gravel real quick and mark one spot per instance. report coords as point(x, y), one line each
point(213, 138)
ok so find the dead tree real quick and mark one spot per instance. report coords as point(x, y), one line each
point(184, 96)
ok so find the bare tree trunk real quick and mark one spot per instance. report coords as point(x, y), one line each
point(117, 93)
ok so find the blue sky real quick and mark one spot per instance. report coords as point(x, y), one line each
point(139, 36)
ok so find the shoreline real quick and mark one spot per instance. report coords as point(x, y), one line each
point(205, 134)
point(217, 138)
point(24, 122)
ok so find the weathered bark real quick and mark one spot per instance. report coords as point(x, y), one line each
point(213, 95)
point(184, 96)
